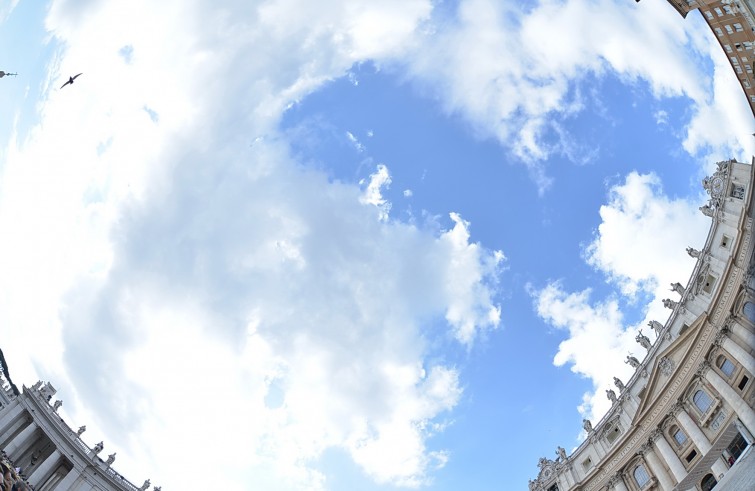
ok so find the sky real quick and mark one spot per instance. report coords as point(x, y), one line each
point(338, 245)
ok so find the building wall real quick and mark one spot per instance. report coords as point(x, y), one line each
point(687, 412)
point(51, 455)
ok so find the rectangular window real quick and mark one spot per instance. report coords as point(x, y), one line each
point(691, 456)
point(729, 29)
point(709, 282)
point(738, 27)
point(613, 434)
point(727, 9)
point(738, 46)
point(748, 44)
point(727, 48)
point(737, 191)
point(738, 69)
point(725, 241)
point(734, 60)
point(718, 12)
point(743, 382)
point(587, 463)
point(745, 82)
point(719, 32)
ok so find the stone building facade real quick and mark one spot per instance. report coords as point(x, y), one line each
point(685, 419)
point(733, 23)
point(51, 455)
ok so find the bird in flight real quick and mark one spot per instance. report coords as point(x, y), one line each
point(70, 80)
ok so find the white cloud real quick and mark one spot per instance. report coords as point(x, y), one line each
point(639, 246)
point(193, 296)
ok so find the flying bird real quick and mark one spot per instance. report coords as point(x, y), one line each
point(70, 80)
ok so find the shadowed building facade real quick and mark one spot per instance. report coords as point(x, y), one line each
point(685, 419)
point(50, 455)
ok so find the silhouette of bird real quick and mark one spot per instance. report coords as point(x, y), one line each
point(70, 80)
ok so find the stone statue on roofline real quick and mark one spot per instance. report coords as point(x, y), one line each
point(81, 430)
point(561, 452)
point(587, 425)
point(110, 459)
point(693, 252)
point(145, 485)
point(706, 210)
point(656, 326)
point(57, 405)
point(678, 288)
point(98, 448)
point(669, 304)
point(631, 360)
point(643, 340)
point(619, 384)
point(612, 396)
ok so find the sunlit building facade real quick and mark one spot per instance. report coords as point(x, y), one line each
point(685, 419)
point(733, 23)
point(45, 452)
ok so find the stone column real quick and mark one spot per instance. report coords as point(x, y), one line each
point(15, 427)
point(22, 441)
point(67, 482)
point(742, 356)
point(37, 478)
point(617, 483)
point(694, 432)
point(668, 455)
point(656, 467)
point(9, 417)
point(743, 410)
point(743, 333)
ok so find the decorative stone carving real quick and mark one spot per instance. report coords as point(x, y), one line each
point(110, 459)
point(145, 485)
point(718, 419)
point(98, 448)
point(587, 425)
point(693, 252)
point(702, 369)
point(57, 405)
point(619, 384)
point(669, 304)
point(157, 488)
point(678, 288)
point(631, 360)
point(611, 396)
point(643, 340)
point(81, 430)
point(656, 326)
point(653, 435)
point(666, 366)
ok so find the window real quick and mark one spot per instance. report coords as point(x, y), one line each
point(708, 482)
point(691, 456)
point(729, 29)
point(725, 241)
point(708, 15)
point(738, 27)
point(718, 12)
point(613, 434)
point(709, 282)
point(734, 60)
point(728, 48)
point(748, 44)
point(727, 9)
point(640, 475)
point(679, 437)
point(719, 32)
point(737, 446)
point(702, 400)
point(738, 46)
point(725, 365)
point(587, 463)
point(738, 69)
point(743, 382)
point(749, 311)
point(745, 82)
point(737, 191)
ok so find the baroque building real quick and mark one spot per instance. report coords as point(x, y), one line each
point(44, 451)
point(685, 419)
point(733, 23)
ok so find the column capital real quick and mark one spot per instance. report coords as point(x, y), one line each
point(702, 369)
point(654, 434)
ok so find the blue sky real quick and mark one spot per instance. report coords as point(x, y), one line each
point(348, 246)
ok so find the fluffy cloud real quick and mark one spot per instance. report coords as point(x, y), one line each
point(505, 70)
point(639, 246)
point(198, 298)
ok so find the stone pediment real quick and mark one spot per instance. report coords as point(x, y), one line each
point(667, 363)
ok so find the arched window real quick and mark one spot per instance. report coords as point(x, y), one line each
point(641, 475)
point(679, 436)
point(708, 482)
point(749, 311)
point(702, 400)
point(725, 365)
